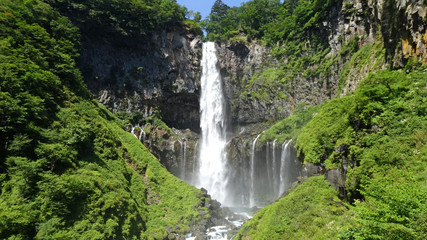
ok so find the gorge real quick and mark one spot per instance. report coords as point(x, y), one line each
point(134, 119)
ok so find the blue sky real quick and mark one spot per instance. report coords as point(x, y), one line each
point(204, 6)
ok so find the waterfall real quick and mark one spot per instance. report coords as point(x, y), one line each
point(275, 183)
point(185, 159)
point(141, 133)
point(212, 122)
point(251, 194)
point(194, 164)
point(183, 149)
point(284, 159)
point(268, 160)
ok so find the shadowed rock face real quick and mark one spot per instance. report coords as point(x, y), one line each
point(162, 72)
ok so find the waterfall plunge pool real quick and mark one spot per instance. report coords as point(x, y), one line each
point(239, 216)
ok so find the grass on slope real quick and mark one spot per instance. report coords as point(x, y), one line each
point(311, 211)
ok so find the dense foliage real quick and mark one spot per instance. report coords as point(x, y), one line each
point(266, 20)
point(67, 168)
point(123, 19)
point(290, 127)
point(378, 135)
point(224, 22)
point(311, 211)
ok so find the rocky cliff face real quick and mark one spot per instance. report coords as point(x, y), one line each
point(162, 72)
point(238, 62)
point(255, 97)
point(410, 35)
point(398, 27)
point(388, 33)
point(176, 149)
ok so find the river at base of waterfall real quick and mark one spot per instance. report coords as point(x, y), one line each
point(239, 216)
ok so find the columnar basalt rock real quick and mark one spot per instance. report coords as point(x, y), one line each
point(162, 72)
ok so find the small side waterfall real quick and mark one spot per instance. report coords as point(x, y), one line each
point(274, 167)
point(138, 133)
point(194, 176)
point(212, 175)
point(283, 167)
point(252, 191)
point(183, 156)
point(268, 160)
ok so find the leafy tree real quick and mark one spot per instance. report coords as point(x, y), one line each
point(219, 10)
point(213, 24)
point(68, 170)
point(123, 19)
point(195, 16)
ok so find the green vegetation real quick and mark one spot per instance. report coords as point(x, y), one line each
point(124, 19)
point(224, 22)
point(395, 205)
point(300, 49)
point(264, 86)
point(290, 127)
point(330, 123)
point(68, 170)
point(171, 202)
point(379, 131)
point(387, 109)
point(266, 20)
point(310, 211)
point(370, 56)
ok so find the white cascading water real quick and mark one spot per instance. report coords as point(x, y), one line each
point(195, 161)
point(268, 161)
point(183, 149)
point(284, 159)
point(275, 187)
point(252, 192)
point(212, 122)
point(141, 133)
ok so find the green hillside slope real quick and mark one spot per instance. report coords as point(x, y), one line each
point(68, 170)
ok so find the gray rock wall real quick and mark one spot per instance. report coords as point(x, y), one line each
point(238, 63)
point(399, 25)
point(162, 72)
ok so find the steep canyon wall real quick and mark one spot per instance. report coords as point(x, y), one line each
point(164, 73)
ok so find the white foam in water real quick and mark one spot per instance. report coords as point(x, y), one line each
point(217, 233)
point(189, 237)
